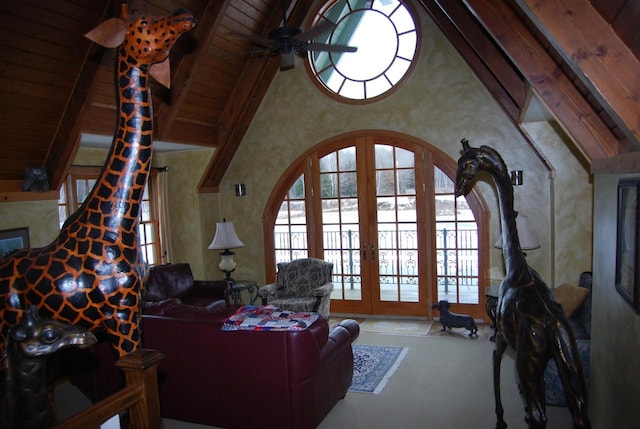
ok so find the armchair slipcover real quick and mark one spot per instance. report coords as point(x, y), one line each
point(301, 285)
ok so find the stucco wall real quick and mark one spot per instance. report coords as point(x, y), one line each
point(615, 352)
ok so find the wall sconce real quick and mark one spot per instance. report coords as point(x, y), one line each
point(241, 190)
point(516, 177)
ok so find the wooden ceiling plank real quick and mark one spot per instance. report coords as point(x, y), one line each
point(583, 124)
point(586, 40)
point(67, 137)
point(188, 66)
point(244, 103)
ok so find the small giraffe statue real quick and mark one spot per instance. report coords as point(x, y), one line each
point(91, 274)
point(30, 342)
point(528, 318)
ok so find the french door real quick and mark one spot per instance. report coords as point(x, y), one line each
point(377, 207)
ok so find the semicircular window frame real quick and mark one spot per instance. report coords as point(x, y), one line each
point(350, 85)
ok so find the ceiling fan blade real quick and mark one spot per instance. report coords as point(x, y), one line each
point(329, 48)
point(313, 32)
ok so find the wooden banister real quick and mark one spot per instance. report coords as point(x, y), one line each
point(140, 396)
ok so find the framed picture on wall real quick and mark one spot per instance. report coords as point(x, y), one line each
point(627, 245)
point(13, 239)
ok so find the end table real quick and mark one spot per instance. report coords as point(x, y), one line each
point(243, 285)
point(491, 295)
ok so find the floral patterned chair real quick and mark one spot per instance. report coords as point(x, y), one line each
point(301, 285)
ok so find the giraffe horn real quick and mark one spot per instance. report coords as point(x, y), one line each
point(465, 145)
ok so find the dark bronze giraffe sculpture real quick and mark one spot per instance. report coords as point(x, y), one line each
point(91, 274)
point(528, 318)
point(29, 394)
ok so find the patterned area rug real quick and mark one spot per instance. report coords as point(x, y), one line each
point(374, 366)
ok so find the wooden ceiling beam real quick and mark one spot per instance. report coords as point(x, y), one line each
point(555, 89)
point(245, 101)
point(596, 53)
point(187, 68)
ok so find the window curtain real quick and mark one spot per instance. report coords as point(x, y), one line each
point(164, 220)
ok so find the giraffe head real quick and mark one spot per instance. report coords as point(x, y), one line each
point(36, 337)
point(144, 40)
point(472, 161)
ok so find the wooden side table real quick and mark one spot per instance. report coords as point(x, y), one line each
point(239, 286)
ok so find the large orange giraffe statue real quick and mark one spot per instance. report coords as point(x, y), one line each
point(91, 274)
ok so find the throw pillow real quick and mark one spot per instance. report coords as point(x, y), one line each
point(569, 297)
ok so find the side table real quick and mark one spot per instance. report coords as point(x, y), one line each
point(491, 306)
point(243, 285)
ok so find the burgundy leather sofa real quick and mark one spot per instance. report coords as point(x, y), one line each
point(235, 379)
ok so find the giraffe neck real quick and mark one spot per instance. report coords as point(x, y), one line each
point(513, 257)
point(118, 191)
point(27, 390)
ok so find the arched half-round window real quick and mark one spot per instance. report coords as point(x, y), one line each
point(386, 37)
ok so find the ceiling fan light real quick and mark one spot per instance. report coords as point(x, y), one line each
point(287, 60)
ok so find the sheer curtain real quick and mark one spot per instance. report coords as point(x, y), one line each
point(164, 220)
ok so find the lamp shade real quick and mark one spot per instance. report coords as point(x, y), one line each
point(226, 237)
point(528, 240)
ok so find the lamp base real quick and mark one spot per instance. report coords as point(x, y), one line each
point(227, 264)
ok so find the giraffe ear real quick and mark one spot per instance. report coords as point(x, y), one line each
point(109, 34)
point(162, 72)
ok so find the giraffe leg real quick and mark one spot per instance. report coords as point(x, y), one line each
point(501, 346)
point(531, 360)
point(570, 370)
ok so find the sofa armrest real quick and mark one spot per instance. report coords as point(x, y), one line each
point(266, 292)
point(323, 290)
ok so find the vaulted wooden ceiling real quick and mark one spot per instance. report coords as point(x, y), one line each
point(580, 57)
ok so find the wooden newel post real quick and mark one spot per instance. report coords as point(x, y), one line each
point(140, 369)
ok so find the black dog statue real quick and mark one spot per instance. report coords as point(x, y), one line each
point(453, 320)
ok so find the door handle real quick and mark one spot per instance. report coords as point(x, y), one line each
point(373, 251)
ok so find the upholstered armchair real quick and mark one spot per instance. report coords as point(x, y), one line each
point(301, 285)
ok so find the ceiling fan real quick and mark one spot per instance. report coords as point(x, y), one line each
point(288, 41)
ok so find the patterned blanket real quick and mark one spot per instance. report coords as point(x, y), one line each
point(268, 318)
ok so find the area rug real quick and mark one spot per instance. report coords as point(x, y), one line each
point(373, 366)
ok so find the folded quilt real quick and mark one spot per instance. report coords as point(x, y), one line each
point(268, 318)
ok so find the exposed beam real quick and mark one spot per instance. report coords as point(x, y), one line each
point(559, 94)
point(595, 52)
point(245, 101)
point(187, 68)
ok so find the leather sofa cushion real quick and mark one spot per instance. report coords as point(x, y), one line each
point(168, 281)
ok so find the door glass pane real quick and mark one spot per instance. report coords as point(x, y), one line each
point(340, 222)
point(290, 230)
point(456, 244)
point(397, 247)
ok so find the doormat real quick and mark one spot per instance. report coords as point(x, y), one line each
point(373, 366)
